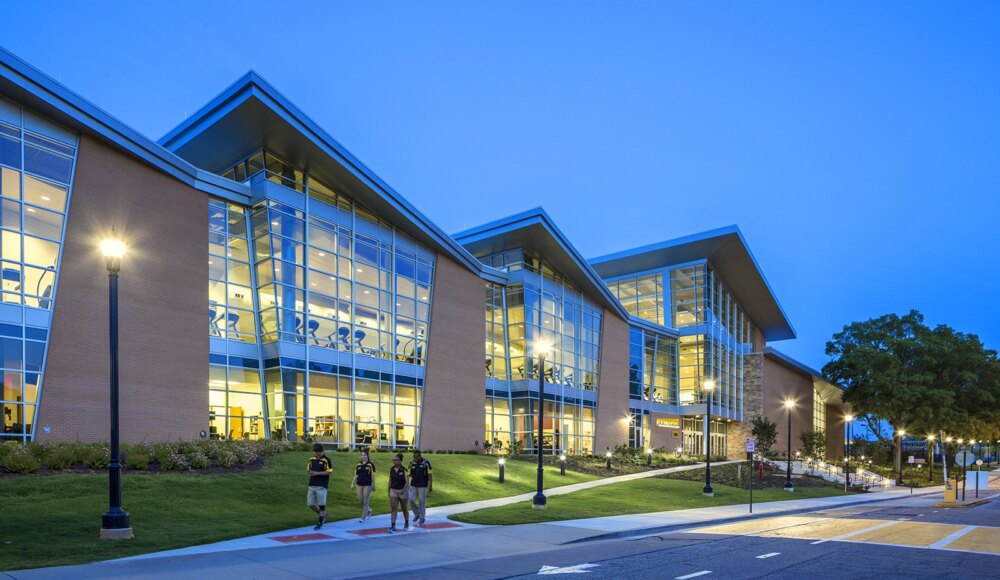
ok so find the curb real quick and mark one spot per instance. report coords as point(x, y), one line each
point(687, 525)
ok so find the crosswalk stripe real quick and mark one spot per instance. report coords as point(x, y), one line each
point(949, 539)
point(856, 533)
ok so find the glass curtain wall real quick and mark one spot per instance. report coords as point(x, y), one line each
point(336, 287)
point(819, 412)
point(236, 407)
point(653, 367)
point(545, 305)
point(642, 296)
point(37, 160)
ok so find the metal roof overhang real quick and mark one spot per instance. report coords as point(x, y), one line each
point(38, 92)
point(830, 392)
point(729, 255)
point(535, 231)
point(251, 115)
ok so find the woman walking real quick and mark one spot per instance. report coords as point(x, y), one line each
point(398, 490)
point(364, 483)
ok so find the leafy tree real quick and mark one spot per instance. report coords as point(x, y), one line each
point(765, 431)
point(912, 377)
point(813, 444)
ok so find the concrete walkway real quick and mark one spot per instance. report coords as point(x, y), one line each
point(415, 551)
point(378, 526)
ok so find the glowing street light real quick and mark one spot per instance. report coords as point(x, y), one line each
point(789, 405)
point(542, 347)
point(708, 386)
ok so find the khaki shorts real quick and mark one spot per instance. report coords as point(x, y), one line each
point(316, 495)
point(396, 496)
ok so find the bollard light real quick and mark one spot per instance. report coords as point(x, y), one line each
point(649, 458)
point(608, 456)
point(500, 463)
point(562, 464)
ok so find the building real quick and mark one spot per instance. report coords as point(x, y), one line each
point(335, 310)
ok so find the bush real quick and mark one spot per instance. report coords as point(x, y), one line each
point(96, 456)
point(62, 457)
point(138, 456)
point(197, 460)
point(20, 461)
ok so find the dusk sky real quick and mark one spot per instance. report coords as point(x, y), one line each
point(856, 146)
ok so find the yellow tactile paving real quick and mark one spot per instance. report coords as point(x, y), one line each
point(978, 540)
point(908, 534)
point(756, 526)
point(823, 530)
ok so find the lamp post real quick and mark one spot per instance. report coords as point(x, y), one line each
point(899, 453)
point(114, 523)
point(930, 457)
point(849, 419)
point(542, 348)
point(789, 405)
point(707, 490)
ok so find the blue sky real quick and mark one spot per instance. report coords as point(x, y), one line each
point(855, 145)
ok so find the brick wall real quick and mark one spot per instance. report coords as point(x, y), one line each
point(753, 405)
point(612, 395)
point(453, 416)
point(163, 296)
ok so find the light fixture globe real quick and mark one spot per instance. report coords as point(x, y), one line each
point(112, 248)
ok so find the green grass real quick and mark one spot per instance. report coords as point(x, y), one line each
point(55, 520)
point(632, 497)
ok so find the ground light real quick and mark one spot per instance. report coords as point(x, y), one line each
point(649, 458)
point(541, 347)
point(562, 464)
point(114, 523)
point(500, 465)
point(789, 405)
point(608, 457)
point(707, 490)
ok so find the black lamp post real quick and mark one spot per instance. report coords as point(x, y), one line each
point(114, 523)
point(707, 490)
point(542, 348)
point(789, 405)
point(930, 457)
point(847, 452)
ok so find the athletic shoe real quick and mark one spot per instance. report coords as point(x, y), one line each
point(392, 529)
point(362, 520)
point(319, 524)
point(406, 527)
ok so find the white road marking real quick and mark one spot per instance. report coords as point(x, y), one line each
point(762, 556)
point(702, 573)
point(920, 515)
point(578, 569)
point(855, 533)
point(949, 539)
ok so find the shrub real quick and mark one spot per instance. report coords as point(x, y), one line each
point(96, 456)
point(245, 451)
point(20, 461)
point(62, 457)
point(138, 457)
point(41, 451)
point(197, 460)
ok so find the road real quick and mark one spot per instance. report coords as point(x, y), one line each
point(906, 538)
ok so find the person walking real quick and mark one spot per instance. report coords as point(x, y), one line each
point(421, 482)
point(319, 469)
point(398, 490)
point(364, 483)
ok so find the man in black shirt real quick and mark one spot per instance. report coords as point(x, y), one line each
point(319, 469)
point(398, 490)
point(422, 481)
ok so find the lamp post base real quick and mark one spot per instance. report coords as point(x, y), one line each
point(789, 487)
point(707, 491)
point(538, 502)
point(116, 534)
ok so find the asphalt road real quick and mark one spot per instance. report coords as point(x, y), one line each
point(745, 550)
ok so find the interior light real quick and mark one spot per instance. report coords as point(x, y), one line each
point(46, 198)
point(30, 209)
point(321, 254)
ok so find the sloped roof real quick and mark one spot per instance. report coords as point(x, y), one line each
point(727, 251)
point(534, 230)
point(251, 114)
point(37, 91)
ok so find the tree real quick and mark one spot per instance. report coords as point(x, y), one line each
point(765, 431)
point(813, 444)
point(923, 380)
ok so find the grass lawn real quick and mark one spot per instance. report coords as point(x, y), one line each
point(55, 520)
point(633, 497)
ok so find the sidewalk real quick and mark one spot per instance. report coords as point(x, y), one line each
point(414, 551)
point(378, 526)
